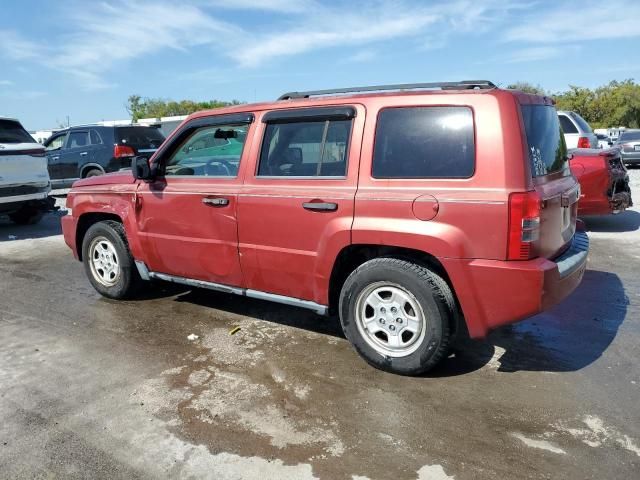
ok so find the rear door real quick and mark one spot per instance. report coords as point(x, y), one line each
point(54, 147)
point(76, 152)
point(559, 191)
point(296, 208)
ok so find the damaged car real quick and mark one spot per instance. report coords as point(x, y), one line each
point(604, 181)
point(24, 179)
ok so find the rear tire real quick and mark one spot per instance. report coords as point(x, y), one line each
point(94, 172)
point(397, 315)
point(108, 262)
point(27, 216)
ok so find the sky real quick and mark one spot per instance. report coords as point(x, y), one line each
point(82, 59)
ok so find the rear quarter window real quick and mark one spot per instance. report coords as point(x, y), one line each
point(139, 137)
point(424, 142)
point(546, 148)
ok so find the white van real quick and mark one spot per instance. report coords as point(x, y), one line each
point(24, 178)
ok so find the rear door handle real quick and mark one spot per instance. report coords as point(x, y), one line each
point(55, 158)
point(83, 154)
point(320, 206)
point(216, 202)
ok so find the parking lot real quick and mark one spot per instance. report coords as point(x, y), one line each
point(159, 386)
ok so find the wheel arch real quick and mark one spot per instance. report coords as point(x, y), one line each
point(354, 255)
point(90, 166)
point(85, 222)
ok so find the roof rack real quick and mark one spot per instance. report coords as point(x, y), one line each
point(463, 85)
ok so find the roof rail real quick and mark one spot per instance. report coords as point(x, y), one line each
point(463, 85)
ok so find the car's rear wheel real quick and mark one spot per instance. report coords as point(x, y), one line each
point(397, 315)
point(108, 262)
point(94, 172)
point(27, 216)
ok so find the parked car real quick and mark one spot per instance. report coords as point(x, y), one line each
point(604, 181)
point(91, 150)
point(24, 181)
point(577, 132)
point(415, 215)
point(629, 144)
point(604, 141)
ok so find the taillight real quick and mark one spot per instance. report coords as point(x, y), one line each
point(583, 142)
point(524, 225)
point(120, 151)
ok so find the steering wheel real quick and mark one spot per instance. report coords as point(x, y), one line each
point(220, 165)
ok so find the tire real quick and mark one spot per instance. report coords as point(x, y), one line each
point(27, 216)
point(108, 262)
point(94, 172)
point(408, 330)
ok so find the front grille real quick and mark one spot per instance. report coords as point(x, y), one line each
point(21, 190)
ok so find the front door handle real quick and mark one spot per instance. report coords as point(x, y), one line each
point(55, 158)
point(320, 206)
point(83, 154)
point(216, 202)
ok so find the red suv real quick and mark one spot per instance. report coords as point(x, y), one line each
point(416, 212)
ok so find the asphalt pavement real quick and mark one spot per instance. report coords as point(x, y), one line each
point(160, 387)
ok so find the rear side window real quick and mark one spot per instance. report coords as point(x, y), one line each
point(78, 139)
point(96, 139)
point(305, 149)
point(546, 148)
point(139, 137)
point(567, 125)
point(424, 142)
point(12, 132)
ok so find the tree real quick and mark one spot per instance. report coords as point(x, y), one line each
point(139, 107)
point(527, 87)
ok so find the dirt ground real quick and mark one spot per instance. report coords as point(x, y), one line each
point(91, 388)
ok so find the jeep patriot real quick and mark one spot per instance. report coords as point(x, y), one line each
point(415, 212)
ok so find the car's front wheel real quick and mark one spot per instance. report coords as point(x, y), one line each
point(397, 315)
point(108, 262)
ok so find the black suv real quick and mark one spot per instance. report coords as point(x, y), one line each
point(89, 150)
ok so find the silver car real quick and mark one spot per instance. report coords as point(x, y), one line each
point(629, 143)
point(577, 132)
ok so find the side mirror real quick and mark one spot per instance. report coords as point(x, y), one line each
point(140, 168)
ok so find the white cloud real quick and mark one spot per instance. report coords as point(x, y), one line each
point(15, 47)
point(535, 54)
point(5, 83)
point(579, 22)
point(362, 56)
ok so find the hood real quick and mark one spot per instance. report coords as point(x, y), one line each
point(115, 178)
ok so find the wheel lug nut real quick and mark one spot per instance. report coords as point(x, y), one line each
point(383, 310)
point(398, 320)
point(392, 327)
point(394, 309)
point(382, 321)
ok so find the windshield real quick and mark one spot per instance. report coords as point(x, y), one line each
point(12, 132)
point(139, 137)
point(545, 141)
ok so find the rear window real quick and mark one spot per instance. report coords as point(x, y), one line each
point(546, 148)
point(424, 142)
point(567, 125)
point(629, 136)
point(139, 137)
point(12, 132)
point(582, 123)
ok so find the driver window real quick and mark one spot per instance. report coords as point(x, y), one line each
point(212, 151)
point(56, 142)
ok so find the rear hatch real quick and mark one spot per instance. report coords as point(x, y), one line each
point(22, 159)
point(143, 140)
point(557, 190)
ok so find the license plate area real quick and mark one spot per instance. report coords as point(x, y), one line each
point(636, 148)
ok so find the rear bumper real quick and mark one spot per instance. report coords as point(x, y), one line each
point(630, 158)
point(493, 293)
point(69, 226)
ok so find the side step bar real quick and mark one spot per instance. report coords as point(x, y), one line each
point(145, 274)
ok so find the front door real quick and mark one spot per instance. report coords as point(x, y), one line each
point(296, 209)
point(54, 146)
point(187, 216)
